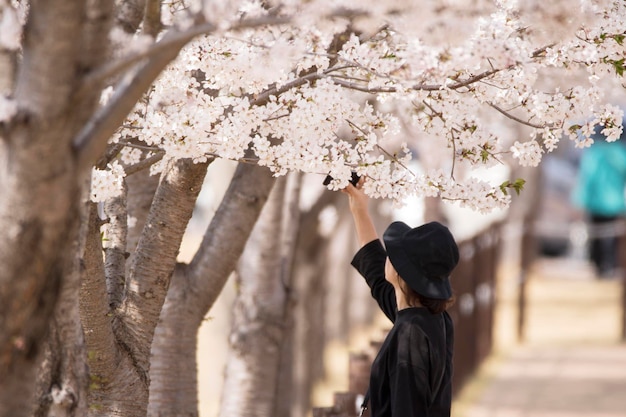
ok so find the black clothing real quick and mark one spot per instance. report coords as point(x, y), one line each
point(412, 373)
point(603, 248)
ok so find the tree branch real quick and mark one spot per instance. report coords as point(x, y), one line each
point(97, 27)
point(115, 251)
point(94, 305)
point(46, 80)
point(433, 87)
point(417, 87)
point(130, 14)
point(517, 119)
point(263, 97)
point(90, 142)
point(147, 284)
point(144, 163)
point(172, 39)
point(152, 18)
point(227, 233)
point(8, 63)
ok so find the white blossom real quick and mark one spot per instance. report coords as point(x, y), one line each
point(8, 108)
point(107, 183)
point(528, 153)
point(10, 28)
point(445, 91)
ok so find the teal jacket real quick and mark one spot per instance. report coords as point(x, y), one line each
point(602, 179)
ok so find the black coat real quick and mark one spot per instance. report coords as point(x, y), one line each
point(412, 374)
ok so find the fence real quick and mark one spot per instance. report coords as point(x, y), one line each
point(474, 281)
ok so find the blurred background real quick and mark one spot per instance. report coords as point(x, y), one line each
point(539, 331)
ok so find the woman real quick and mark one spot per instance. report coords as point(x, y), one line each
point(411, 375)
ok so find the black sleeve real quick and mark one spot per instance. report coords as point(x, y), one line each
point(370, 262)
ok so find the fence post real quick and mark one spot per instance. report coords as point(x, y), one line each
point(528, 253)
point(621, 257)
point(322, 411)
point(485, 258)
point(345, 403)
point(463, 313)
point(359, 373)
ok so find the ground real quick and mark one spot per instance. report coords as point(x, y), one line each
point(572, 362)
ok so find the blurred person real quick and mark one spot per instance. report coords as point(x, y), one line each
point(600, 193)
point(410, 279)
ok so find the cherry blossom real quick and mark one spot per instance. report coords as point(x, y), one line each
point(333, 89)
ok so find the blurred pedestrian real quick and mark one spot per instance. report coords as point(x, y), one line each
point(412, 374)
point(600, 192)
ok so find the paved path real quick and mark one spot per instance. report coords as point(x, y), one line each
point(572, 363)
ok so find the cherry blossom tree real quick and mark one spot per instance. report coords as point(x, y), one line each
point(94, 94)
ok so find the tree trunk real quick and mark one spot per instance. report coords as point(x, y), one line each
point(63, 380)
point(308, 332)
point(292, 220)
point(119, 339)
point(173, 371)
point(39, 194)
point(40, 183)
point(258, 317)
point(194, 289)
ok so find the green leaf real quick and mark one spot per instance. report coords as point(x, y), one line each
point(517, 186)
point(619, 66)
point(504, 186)
point(574, 128)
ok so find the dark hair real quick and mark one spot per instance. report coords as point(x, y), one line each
point(433, 305)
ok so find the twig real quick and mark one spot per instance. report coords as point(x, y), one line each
point(517, 119)
point(144, 163)
point(357, 87)
point(393, 157)
point(453, 155)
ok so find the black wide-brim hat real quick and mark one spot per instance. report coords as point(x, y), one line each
point(423, 256)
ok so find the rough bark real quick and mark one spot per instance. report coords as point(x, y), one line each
point(122, 390)
point(152, 18)
point(308, 334)
point(8, 60)
point(130, 14)
point(103, 353)
point(194, 289)
point(173, 369)
point(38, 205)
point(141, 189)
point(258, 318)
point(40, 184)
point(63, 376)
point(227, 233)
point(291, 226)
point(115, 250)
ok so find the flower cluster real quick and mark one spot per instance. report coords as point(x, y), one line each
point(8, 108)
point(317, 96)
point(107, 183)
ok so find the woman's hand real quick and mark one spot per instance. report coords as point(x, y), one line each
point(359, 201)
